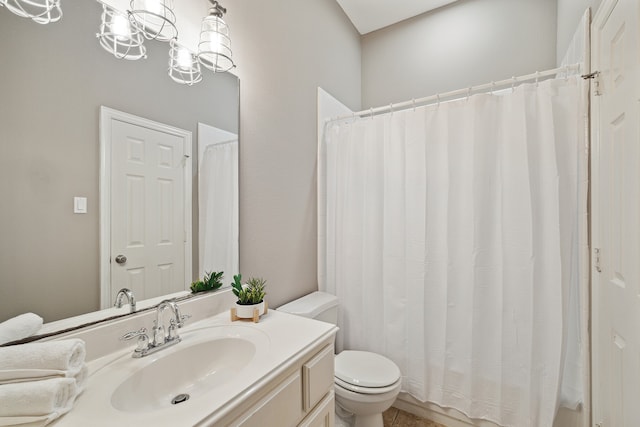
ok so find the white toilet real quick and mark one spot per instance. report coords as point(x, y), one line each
point(366, 384)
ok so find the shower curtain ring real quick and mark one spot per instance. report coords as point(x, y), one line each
point(438, 99)
point(391, 107)
point(371, 112)
point(468, 93)
point(537, 76)
point(493, 87)
point(513, 83)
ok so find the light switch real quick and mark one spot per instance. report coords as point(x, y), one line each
point(80, 205)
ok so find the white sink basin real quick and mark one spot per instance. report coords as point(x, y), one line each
point(206, 358)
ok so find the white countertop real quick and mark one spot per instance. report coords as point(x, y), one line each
point(284, 336)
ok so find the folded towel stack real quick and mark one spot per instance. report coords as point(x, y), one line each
point(19, 327)
point(39, 382)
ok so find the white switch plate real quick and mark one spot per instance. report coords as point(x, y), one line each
point(80, 205)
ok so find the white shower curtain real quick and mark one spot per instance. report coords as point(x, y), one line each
point(218, 209)
point(453, 240)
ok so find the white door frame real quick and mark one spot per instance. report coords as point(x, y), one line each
point(597, 316)
point(106, 116)
point(604, 11)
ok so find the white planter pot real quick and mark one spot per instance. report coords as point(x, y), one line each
point(247, 311)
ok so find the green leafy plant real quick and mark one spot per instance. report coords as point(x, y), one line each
point(210, 282)
point(251, 293)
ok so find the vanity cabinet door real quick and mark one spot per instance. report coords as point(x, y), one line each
point(282, 407)
point(323, 415)
point(317, 377)
point(301, 396)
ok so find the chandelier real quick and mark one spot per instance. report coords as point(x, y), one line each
point(123, 33)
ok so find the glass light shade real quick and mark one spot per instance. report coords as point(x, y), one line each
point(118, 36)
point(214, 49)
point(40, 11)
point(155, 18)
point(183, 65)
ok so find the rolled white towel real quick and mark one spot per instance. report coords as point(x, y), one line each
point(38, 398)
point(64, 355)
point(81, 379)
point(19, 327)
point(42, 420)
point(10, 376)
point(38, 421)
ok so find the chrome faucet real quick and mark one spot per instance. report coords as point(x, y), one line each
point(177, 321)
point(128, 294)
point(159, 339)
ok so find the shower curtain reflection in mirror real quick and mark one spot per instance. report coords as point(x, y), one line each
point(456, 242)
point(218, 201)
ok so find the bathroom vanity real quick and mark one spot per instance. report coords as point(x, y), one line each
point(302, 395)
point(278, 372)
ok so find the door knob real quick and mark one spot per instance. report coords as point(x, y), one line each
point(121, 259)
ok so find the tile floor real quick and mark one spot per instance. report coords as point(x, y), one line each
point(394, 417)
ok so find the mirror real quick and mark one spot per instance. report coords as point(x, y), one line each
point(53, 82)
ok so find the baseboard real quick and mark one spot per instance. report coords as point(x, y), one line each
point(446, 416)
point(453, 418)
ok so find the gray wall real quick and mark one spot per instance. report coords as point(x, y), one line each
point(284, 49)
point(52, 82)
point(569, 14)
point(467, 43)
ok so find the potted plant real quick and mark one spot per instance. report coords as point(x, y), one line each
point(250, 304)
point(210, 282)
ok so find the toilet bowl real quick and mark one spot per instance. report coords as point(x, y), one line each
point(366, 384)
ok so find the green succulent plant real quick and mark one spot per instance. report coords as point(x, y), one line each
point(210, 282)
point(251, 293)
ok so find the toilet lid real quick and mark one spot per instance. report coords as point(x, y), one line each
point(365, 369)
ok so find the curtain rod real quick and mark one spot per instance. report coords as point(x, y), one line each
point(439, 97)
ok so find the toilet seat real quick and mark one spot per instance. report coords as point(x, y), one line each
point(365, 372)
point(366, 390)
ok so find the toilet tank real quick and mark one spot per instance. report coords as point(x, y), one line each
point(316, 305)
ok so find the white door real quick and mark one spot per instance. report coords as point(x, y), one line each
point(616, 215)
point(149, 189)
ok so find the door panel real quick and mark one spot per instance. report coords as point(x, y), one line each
point(147, 210)
point(616, 220)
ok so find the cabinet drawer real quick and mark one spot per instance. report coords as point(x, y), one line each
point(323, 415)
point(281, 407)
point(317, 377)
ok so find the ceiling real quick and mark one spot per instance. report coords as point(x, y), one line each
point(371, 15)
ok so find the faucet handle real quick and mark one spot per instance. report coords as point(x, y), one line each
point(143, 339)
point(158, 334)
point(133, 334)
point(182, 319)
point(172, 332)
